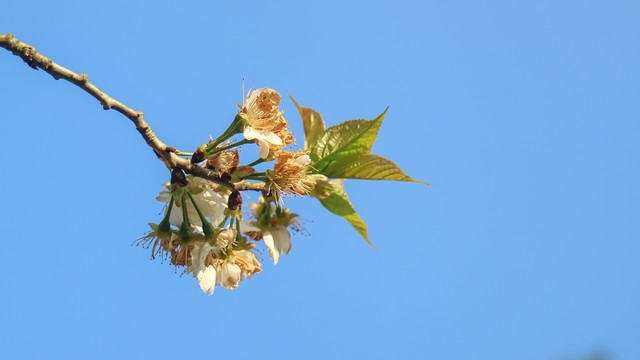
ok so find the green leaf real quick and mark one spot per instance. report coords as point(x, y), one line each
point(312, 122)
point(369, 167)
point(352, 137)
point(338, 203)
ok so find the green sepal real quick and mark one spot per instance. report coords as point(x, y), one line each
point(338, 203)
point(367, 167)
point(186, 236)
point(312, 123)
point(350, 138)
point(238, 232)
point(283, 216)
point(195, 190)
point(236, 127)
point(210, 233)
point(154, 230)
point(177, 192)
point(185, 229)
point(263, 215)
point(163, 230)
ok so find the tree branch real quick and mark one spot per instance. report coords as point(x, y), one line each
point(38, 61)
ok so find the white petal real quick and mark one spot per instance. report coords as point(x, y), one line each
point(246, 226)
point(250, 133)
point(252, 96)
point(271, 137)
point(273, 252)
point(211, 195)
point(198, 255)
point(207, 207)
point(164, 196)
point(218, 204)
point(198, 182)
point(303, 160)
point(207, 279)
point(278, 241)
point(218, 215)
point(282, 239)
point(229, 275)
point(264, 149)
point(213, 210)
point(176, 216)
point(263, 138)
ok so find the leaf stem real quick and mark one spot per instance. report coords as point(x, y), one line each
point(255, 176)
point(200, 215)
point(260, 160)
point(235, 144)
point(235, 127)
point(223, 221)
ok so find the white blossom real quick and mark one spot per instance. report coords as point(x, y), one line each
point(210, 203)
point(263, 138)
point(277, 239)
point(206, 275)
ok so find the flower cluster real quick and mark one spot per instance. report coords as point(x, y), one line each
point(208, 232)
point(205, 231)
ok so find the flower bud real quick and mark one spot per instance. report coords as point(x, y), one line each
point(198, 156)
point(178, 177)
point(235, 200)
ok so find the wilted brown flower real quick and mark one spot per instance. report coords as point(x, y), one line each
point(265, 123)
point(225, 160)
point(291, 174)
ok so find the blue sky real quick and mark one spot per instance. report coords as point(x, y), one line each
point(522, 115)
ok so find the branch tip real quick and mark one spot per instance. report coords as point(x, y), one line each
point(166, 153)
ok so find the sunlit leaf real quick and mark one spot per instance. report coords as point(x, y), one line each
point(349, 138)
point(338, 203)
point(369, 167)
point(312, 122)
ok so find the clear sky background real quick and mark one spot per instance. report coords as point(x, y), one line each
point(523, 115)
